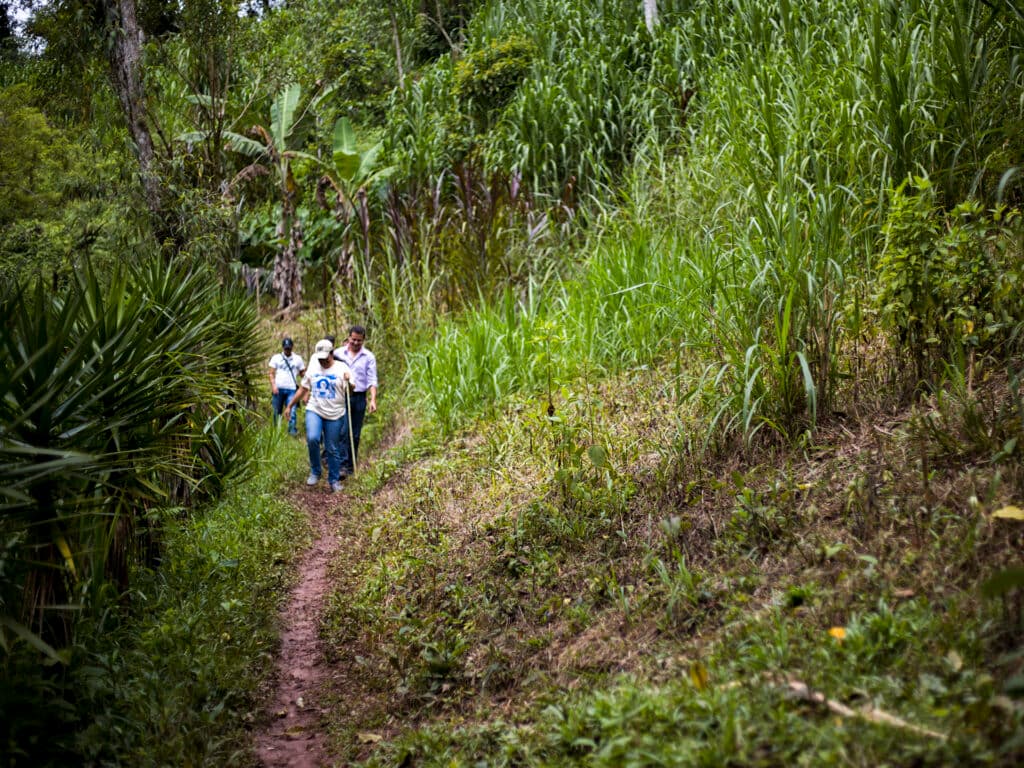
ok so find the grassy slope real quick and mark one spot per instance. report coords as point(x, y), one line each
point(516, 598)
point(595, 588)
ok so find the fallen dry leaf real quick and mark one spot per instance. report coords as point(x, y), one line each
point(1009, 513)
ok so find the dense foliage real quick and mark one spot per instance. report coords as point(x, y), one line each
point(783, 207)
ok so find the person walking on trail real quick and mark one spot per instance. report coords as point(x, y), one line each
point(313, 367)
point(286, 369)
point(327, 384)
point(364, 390)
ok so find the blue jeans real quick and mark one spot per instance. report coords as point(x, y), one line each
point(317, 425)
point(278, 402)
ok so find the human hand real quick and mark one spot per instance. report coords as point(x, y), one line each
point(371, 406)
point(273, 389)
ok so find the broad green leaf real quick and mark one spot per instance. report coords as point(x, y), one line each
point(245, 145)
point(347, 166)
point(282, 113)
point(344, 137)
point(296, 155)
point(598, 455)
point(192, 137)
point(369, 160)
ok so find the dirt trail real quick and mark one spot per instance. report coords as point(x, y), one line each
point(292, 736)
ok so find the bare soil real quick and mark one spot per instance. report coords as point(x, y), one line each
point(291, 734)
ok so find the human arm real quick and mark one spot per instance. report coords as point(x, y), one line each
point(371, 388)
point(273, 377)
point(300, 394)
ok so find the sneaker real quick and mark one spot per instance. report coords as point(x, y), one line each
point(312, 479)
point(336, 486)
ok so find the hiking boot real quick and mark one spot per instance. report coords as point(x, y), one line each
point(312, 479)
point(336, 486)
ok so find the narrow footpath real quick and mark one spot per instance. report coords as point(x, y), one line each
point(292, 735)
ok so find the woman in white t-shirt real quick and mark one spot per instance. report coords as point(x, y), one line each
point(327, 385)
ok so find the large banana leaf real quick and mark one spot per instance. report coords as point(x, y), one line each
point(354, 168)
point(346, 154)
point(245, 145)
point(282, 114)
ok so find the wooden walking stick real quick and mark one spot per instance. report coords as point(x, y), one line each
point(351, 439)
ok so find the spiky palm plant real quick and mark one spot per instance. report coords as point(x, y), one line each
point(119, 394)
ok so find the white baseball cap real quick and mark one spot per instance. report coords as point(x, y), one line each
point(324, 348)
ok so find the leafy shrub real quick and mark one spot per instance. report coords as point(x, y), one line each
point(355, 68)
point(947, 279)
point(486, 79)
point(34, 157)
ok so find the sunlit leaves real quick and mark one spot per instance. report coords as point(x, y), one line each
point(1010, 512)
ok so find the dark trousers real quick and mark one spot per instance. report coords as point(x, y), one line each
point(358, 402)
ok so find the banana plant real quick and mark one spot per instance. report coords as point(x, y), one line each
point(278, 145)
point(273, 149)
point(353, 173)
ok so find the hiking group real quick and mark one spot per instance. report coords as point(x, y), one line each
point(339, 387)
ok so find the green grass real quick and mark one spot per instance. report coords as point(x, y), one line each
point(748, 252)
point(521, 600)
point(745, 713)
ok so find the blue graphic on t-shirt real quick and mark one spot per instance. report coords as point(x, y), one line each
point(324, 387)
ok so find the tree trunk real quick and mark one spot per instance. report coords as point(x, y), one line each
point(125, 52)
point(287, 280)
point(398, 47)
point(651, 14)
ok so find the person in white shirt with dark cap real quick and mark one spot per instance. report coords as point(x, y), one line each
point(285, 369)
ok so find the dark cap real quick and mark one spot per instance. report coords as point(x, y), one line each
point(287, 343)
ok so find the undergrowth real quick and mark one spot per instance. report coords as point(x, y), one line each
point(169, 673)
point(595, 587)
